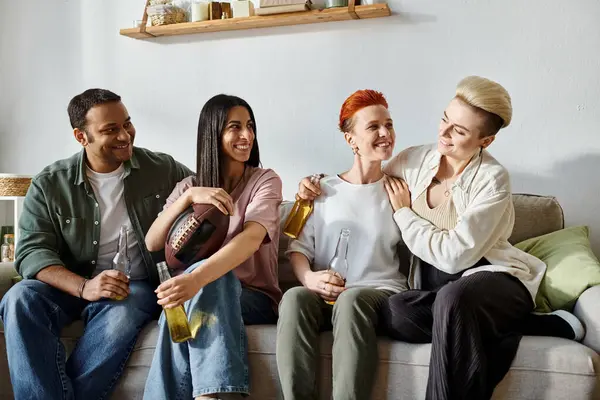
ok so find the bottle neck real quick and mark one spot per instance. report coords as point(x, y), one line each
point(163, 272)
point(122, 241)
point(342, 247)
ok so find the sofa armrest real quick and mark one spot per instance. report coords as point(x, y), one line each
point(587, 309)
point(7, 273)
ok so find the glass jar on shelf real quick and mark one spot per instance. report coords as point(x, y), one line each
point(7, 251)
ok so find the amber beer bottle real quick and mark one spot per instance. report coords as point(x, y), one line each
point(299, 215)
point(339, 262)
point(179, 326)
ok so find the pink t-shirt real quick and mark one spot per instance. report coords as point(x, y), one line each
point(258, 202)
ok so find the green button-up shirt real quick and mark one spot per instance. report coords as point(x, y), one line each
point(60, 222)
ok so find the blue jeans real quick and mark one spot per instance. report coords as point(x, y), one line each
point(257, 308)
point(34, 314)
point(215, 360)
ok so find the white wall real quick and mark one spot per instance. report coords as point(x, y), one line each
point(40, 49)
point(544, 52)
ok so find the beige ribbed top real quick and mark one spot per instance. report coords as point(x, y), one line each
point(443, 216)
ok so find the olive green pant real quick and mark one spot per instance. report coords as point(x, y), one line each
point(353, 318)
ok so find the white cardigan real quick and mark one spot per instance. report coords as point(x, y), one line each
point(486, 216)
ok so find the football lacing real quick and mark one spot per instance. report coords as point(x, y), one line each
point(189, 226)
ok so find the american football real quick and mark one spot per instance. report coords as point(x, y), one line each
point(195, 235)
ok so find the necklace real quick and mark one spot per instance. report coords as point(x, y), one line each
point(240, 179)
point(437, 182)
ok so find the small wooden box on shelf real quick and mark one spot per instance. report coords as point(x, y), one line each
point(297, 18)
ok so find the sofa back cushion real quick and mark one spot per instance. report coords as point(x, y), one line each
point(535, 216)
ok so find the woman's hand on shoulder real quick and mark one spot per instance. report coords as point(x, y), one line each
point(215, 196)
point(398, 192)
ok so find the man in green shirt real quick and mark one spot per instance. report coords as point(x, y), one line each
point(69, 230)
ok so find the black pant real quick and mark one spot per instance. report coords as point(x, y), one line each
point(473, 325)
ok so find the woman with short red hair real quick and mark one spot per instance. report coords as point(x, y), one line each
point(355, 200)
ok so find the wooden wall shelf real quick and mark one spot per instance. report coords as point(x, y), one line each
point(297, 18)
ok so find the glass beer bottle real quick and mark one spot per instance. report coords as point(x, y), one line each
point(339, 262)
point(121, 260)
point(299, 214)
point(179, 327)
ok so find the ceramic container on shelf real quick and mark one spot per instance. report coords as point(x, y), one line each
point(242, 8)
point(199, 11)
point(336, 3)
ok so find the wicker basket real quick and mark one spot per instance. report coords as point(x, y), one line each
point(14, 185)
point(166, 15)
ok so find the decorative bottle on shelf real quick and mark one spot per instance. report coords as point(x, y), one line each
point(339, 262)
point(299, 215)
point(177, 321)
point(7, 249)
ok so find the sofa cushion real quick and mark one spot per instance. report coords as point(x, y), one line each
point(544, 367)
point(535, 216)
point(572, 266)
point(535, 353)
point(542, 364)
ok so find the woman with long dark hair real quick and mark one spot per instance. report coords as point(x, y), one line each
point(236, 285)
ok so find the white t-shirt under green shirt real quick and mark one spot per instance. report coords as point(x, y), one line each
point(109, 190)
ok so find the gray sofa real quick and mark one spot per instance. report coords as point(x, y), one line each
point(544, 368)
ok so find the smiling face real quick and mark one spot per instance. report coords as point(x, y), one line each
point(372, 133)
point(108, 135)
point(238, 136)
point(462, 131)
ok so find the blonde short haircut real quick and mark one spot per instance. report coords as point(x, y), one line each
point(488, 96)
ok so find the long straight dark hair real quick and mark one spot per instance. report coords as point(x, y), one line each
point(211, 124)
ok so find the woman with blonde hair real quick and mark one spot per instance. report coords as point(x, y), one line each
point(472, 293)
point(472, 287)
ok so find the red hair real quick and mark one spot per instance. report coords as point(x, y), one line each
point(356, 102)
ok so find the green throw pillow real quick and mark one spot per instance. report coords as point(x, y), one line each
point(572, 267)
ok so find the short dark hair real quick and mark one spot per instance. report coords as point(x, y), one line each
point(211, 124)
point(82, 103)
point(493, 124)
